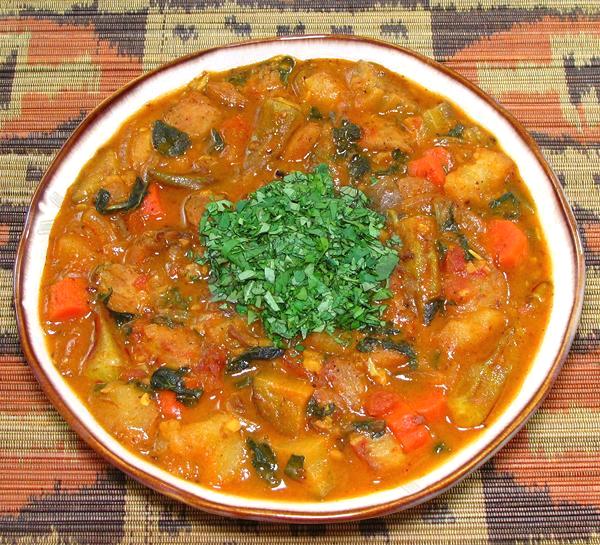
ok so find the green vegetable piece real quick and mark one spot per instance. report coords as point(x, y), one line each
point(243, 362)
point(138, 192)
point(295, 467)
point(345, 138)
point(178, 180)
point(239, 78)
point(218, 143)
point(507, 205)
point(368, 344)
point(464, 244)
point(371, 428)
point(169, 140)
point(264, 462)
point(300, 255)
point(121, 318)
point(107, 358)
point(358, 166)
point(315, 410)
point(457, 130)
point(168, 379)
point(431, 308)
point(314, 114)
point(285, 67)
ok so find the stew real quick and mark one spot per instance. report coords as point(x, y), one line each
point(297, 279)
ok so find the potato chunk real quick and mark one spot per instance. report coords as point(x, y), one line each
point(120, 282)
point(302, 142)
point(123, 409)
point(281, 400)
point(215, 445)
point(481, 180)
point(193, 114)
point(174, 346)
point(474, 334)
point(320, 476)
point(322, 90)
point(380, 134)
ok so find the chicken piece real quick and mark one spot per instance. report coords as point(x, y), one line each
point(139, 147)
point(481, 180)
point(215, 445)
point(322, 90)
point(380, 134)
point(120, 283)
point(127, 412)
point(193, 114)
point(302, 142)
point(177, 346)
point(195, 205)
point(475, 334)
point(226, 94)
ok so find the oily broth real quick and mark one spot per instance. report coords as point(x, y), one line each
point(354, 476)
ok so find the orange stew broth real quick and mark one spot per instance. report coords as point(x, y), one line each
point(495, 293)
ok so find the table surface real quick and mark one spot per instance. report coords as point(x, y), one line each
point(540, 58)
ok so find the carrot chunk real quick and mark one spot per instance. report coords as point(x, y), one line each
point(68, 299)
point(236, 131)
point(168, 405)
point(409, 428)
point(507, 243)
point(431, 166)
point(150, 210)
point(432, 405)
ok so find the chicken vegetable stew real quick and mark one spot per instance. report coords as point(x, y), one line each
point(297, 279)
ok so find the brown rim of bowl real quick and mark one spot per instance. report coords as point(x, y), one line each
point(293, 516)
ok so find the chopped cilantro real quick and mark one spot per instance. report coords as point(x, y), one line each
point(300, 255)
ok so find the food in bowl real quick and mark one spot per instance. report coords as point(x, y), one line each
point(297, 280)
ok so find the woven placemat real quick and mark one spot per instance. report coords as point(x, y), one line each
point(540, 58)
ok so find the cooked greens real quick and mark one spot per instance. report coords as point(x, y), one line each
point(243, 362)
point(169, 140)
point(165, 378)
point(138, 191)
point(264, 461)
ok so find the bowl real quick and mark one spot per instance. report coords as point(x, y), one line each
point(555, 217)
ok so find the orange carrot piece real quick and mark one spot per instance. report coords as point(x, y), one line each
point(68, 299)
point(150, 210)
point(507, 243)
point(409, 428)
point(431, 166)
point(168, 405)
point(236, 131)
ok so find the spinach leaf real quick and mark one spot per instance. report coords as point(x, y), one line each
point(285, 67)
point(457, 130)
point(121, 318)
point(315, 410)
point(168, 379)
point(169, 140)
point(178, 180)
point(138, 192)
point(264, 461)
point(372, 428)
point(295, 467)
point(464, 244)
point(345, 138)
point(358, 166)
point(218, 143)
point(314, 114)
point(431, 308)
point(368, 344)
point(239, 78)
point(243, 362)
point(507, 205)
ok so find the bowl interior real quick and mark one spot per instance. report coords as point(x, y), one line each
point(556, 222)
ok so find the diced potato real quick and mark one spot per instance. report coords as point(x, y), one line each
point(380, 134)
point(106, 163)
point(475, 334)
point(322, 90)
point(481, 180)
point(474, 394)
point(74, 253)
point(281, 400)
point(302, 142)
point(226, 94)
point(312, 361)
point(193, 114)
point(383, 454)
point(214, 444)
point(277, 120)
point(422, 278)
point(120, 407)
point(107, 358)
point(120, 281)
point(320, 475)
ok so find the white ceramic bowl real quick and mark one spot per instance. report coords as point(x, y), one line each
point(554, 214)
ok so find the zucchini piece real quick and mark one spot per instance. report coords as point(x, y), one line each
point(281, 400)
point(106, 358)
point(439, 120)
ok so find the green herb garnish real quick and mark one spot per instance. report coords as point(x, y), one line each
point(457, 130)
point(264, 461)
point(300, 255)
point(169, 140)
point(507, 205)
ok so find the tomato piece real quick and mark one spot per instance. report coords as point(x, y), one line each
point(168, 405)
